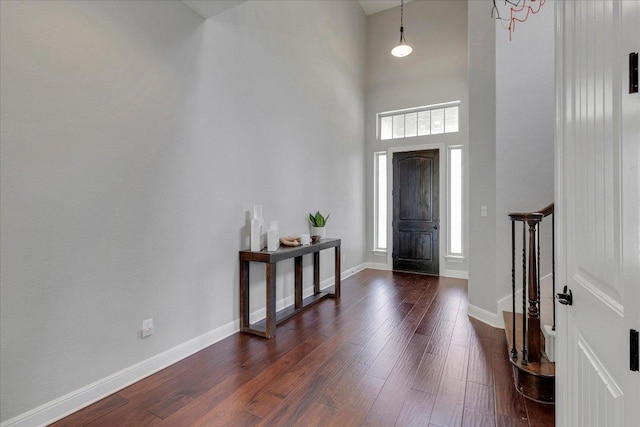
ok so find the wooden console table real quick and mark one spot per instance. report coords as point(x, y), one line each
point(267, 327)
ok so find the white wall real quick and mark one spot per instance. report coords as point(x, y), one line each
point(515, 156)
point(482, 156)
point(135, 138)
point(525, 129)
point(435, 72)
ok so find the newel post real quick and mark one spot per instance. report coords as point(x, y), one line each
point(533, 312)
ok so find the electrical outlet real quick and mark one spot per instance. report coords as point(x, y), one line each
point(483, 211)
point(147, 328)
point(344, 258)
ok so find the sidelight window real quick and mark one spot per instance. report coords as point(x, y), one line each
point(380, 211)
point(455, 201)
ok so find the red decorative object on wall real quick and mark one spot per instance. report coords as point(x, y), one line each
point(519, 11)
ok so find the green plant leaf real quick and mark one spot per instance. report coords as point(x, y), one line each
point(318, 220)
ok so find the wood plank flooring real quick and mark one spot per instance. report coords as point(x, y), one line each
point(397, 349)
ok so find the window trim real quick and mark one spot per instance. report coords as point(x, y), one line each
point(444, 222)
point(405, 111)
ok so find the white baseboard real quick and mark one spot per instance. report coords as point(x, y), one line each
point(61, 407)
point(455, 274)
point(549, 342)
point(348, 272)
point(260, 314)
point(505, 304)
point(377, 266)
point(484, 316)
point(78, 399)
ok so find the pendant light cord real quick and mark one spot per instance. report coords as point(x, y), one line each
point(401, 20)
point(403, 49)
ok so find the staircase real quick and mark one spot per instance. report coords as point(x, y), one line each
point(530, 346)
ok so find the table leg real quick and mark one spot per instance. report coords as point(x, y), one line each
point(337, 272)
point(244, 294)
point(270, 321)
point(316, 273)
point(298, 282)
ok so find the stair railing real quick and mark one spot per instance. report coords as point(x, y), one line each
point(531, 343)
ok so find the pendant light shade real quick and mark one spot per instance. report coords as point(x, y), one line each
point(403, 49)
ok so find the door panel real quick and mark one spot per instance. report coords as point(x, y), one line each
point(600, 400)
point(597, 189)
point(416, 211)
point(415, 189)
point(419, 247)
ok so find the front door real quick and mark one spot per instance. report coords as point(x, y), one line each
point(597, 194)
point(416, 218)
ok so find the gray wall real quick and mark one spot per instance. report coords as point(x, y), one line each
point(512, 122)
point(135, 138)
point(525, 129)
point(482, 156)
point(435, 72)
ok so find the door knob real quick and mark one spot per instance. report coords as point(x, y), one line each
point(435, 227)
point(565, 297)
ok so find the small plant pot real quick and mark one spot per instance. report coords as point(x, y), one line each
point(318, 231)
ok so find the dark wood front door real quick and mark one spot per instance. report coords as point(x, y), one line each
point(416, 219)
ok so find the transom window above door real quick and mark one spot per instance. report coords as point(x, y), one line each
point(419, 121)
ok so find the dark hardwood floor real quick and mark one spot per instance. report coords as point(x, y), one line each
point(396, 349)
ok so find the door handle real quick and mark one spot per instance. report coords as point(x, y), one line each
point(565, 297)
point(435, 227)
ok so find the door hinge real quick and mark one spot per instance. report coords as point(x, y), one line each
point(634, 363)
point(633, 72)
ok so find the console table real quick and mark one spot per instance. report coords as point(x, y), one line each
point(267, 327)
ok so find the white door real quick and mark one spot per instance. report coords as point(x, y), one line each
point(597, 192)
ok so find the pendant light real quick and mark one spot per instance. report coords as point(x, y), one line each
point(403, 49)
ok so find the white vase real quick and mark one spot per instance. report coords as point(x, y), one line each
point(318, 231)
point(257, 228)
point(273, 237)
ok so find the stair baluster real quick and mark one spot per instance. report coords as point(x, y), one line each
point(534, 373)
point(553, 267)
point(514, 351)
point(533, 315)
point(524, 294)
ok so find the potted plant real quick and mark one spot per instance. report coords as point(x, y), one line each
point(318, 222)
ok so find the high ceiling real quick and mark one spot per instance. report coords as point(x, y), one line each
point(374, 6)
point(209, 8)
